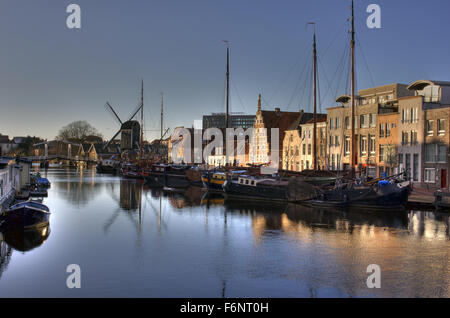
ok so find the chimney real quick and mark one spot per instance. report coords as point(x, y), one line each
point(277, 111)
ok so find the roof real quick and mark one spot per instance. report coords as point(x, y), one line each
point(303, 118)
point(319, 120)
point(421, 84)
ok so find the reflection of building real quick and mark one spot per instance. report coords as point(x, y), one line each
point(129, 195)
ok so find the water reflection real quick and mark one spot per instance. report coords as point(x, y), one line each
point(26, 241)
point(198, 244)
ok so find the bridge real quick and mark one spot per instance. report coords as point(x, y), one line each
point(61, 150)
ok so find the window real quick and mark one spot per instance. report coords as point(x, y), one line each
point(347, 123)
point(442, 153)
point(296, 151)
point(405, 138)
point(381, 153)
point(331, 141)
point(381, 130)
point(430, 152)
point(430, 130)
point(405, 116)
point(388, 130)
point(322, 133)
point(413, 137)
point(372, 145)
point(372, 120)
point(338, 122)
point(336, 141)
point(441, 127)
point(414, 115)
point(347, 146)
point(363, 121)
point(309, 149)
point(291, 138)
point(363, 145)
point(408, 165)
point(415, 167)
point(430, 175)
point(430, 94)
point(331, 123)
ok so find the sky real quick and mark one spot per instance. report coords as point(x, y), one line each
point(51, 75)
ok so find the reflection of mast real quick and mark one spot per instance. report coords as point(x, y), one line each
point(159, 214)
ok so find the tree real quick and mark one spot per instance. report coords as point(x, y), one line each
point(25, 147)
point(79, 132)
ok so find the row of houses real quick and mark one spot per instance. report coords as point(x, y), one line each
point(7, 145)
point(398, 128)
point(14, 177)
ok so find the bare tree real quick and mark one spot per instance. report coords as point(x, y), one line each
point(78, 131)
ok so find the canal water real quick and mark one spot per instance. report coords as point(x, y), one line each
point(133, 241)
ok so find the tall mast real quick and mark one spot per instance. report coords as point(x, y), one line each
point(162, 114)
point(227, 115)
point(142, 121)
point(352, 138)
point(315, 104)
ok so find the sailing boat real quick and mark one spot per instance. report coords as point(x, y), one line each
point(384, 194)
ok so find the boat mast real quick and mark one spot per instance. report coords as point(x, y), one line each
point(352, 138)
point(315, 103)
point(162, 115)
point(227, 115)
point(142, 121)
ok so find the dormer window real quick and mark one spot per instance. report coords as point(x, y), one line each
point(430, 94)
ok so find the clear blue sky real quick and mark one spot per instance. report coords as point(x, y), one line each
point(50, 75)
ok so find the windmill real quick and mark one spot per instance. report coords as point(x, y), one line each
point(130, 130)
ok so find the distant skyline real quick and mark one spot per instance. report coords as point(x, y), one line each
point(51, 75)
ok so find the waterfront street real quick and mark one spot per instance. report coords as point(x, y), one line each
point(133, 241)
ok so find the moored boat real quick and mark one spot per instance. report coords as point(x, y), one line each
point(257, 188)
point(381, 195)
point(108, 166)
point(27, 215)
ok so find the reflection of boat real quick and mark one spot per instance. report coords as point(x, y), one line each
point(27, 215)
point(28, 240)
point(256, 188)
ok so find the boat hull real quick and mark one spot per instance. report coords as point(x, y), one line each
point(26, 218)
point(365, 198)
point(106, 169)
point(235, 189)
point(213, 184)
